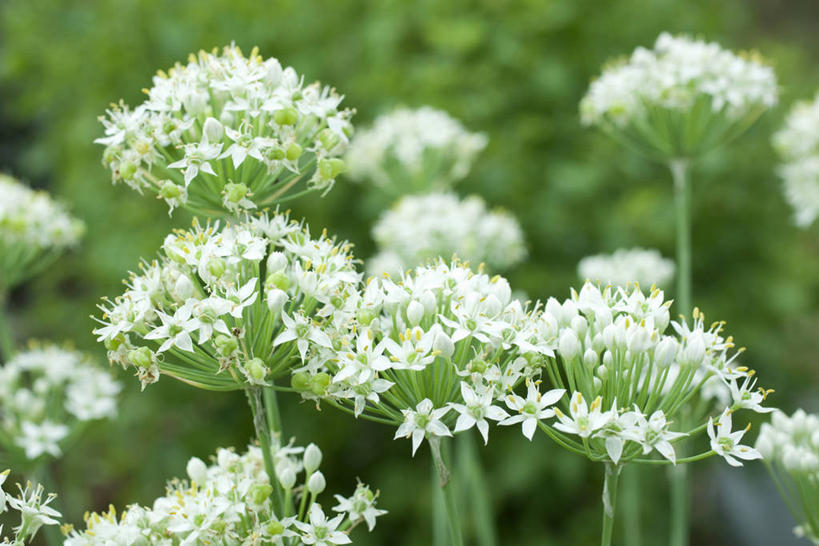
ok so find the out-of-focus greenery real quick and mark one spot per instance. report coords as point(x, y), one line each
point(514, 70)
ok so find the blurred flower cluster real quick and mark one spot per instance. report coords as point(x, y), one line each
point(408, 151)
point(227, 308)
point(643, 266)
point(682, 97)
point(47, 393)
point(790, 446)
point(421, 228)
point(227, 133)
point(798, 146)
point(34, 230)
point(229, 502)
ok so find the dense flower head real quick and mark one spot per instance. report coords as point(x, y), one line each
point(33, 505)
point(624, 266)
point(410, 150)
point(34, 229)
point(226, 133)
point(225, 308)
point(798, 145)
point(46, 394)
point(790, 446)
point(429, 352)
point(680, 97)
point(420, 228)
point(229, 502)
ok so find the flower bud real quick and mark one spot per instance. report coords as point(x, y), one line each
point(580, 325)
point(286, 116)
point(590, 358)
point(569, 345)
point(429, 301)
point(279, 280)
point(293, 152)
point(443, 343)
point(319, 383)
point(127, 169)
point(225, 345)
point(213, 130)
point(197, 470)
point(170, 190)
point(141, 357)
point(256, 369)
point(415, 312)
point(328, 139)
point(216, 267)
point(259, 493)
point(602, 372)
point(300, 381)
point(598, 383)
point(276, 299)
point(235, 192)
point(286, 475)
point(277, 261)
point(365, 316)
point(312, 458)
point(694, 350)
point(183, 288)
point(274, 528)
point(316, 483)
point(666, 351)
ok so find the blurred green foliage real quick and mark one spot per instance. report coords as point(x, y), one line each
point(513, 69)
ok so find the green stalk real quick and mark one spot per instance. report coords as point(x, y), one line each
point(440, 457)
point(6, 338)
point(271, 406)
point(682, 201)
point(609, 502)
point(440, 530)
point(473, 479)
point(682, 197)
point(254, 398)
point(632, 507)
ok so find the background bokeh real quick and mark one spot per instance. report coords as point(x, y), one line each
point(515, 70)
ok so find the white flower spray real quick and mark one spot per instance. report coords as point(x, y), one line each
point(645, 267)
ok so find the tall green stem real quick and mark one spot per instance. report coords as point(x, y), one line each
point(254, 398)
point(440, 526)
point(6, 339)
point(271, 406)
point(474, 488)
point(440, 458)
point(682, 197)
point(609, 502)
point(631, 506)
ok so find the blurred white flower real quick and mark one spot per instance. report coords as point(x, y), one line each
point(645, 267)
point(798, 145)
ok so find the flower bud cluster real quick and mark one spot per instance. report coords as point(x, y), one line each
point(790, 446)
point(798, 146)
point(681, 97)
point(34, 230)
point(645, 267)
point(408, 151)
point(46, 392)
point(230, 501)
point(420, 228)
point(225, 133)
point(34, 511)
point(226, 308)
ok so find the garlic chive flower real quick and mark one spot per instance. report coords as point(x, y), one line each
point(798, 146)
point(681, 98)
point(420, 228)
point(34, 231)
point(789, 446)
point(432, 354)
point(229, 501)
point(226, 133)
point(34, 510)
point(645, 267)
point(630, 374)
point(413, 150)
point(233, 307)
point(47, 394)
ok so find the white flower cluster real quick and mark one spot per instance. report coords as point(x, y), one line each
point(445, 349)
point(635, 265)
point(34, 230)
point(227, 132)
point(790, 446)
point(224, 309)
point(410, 150)
point(798, 145)
point(420, 228)
point(34, 511)
point(46, 393)
point(229, 502)
point(677, 74)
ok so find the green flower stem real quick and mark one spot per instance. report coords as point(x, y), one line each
point(473, 478)
point(682, 197)
point(440, 527)
point(271, 406)
point(6, 338)
point(632, 521)
point(440, 456)
point(254, 398)
point(610, 480)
